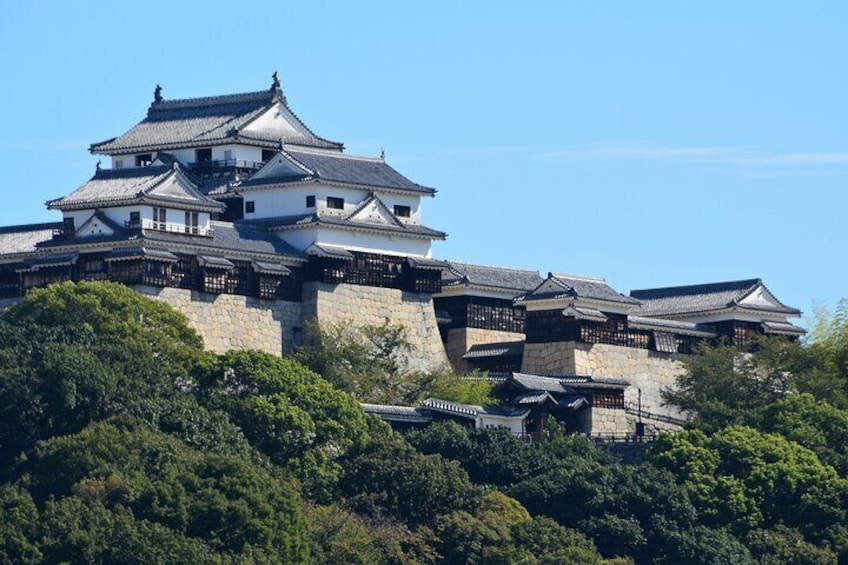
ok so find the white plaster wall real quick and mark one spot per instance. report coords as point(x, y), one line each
point(365, 305)
point(271, 122)
point(354, 241)
point(121, 214)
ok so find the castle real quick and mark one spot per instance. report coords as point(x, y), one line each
point(236, 213)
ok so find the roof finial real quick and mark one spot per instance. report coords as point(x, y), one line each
point(282, 146)
point(97, 167)
point(276, 89)
point(157, 95)
point(383, 153)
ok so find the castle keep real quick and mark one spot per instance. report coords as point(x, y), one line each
point(236, 213)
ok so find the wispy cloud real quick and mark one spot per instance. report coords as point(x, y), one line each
point(730, 155)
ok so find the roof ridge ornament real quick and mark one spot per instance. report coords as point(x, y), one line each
point(277, 89)
point(157, 95)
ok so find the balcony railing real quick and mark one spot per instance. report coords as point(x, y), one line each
point(170, 227)
point(226, 164)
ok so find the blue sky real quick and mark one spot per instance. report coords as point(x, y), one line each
point(650, 143)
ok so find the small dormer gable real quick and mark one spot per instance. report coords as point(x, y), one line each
point(280, 167)
point(373, 211)
point(760, 297)
point(97, 225)
point(275, 123)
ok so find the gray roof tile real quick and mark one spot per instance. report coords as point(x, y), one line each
point(701, 298)
point(578, 287)
point(302, 220)
point(503, 278)
point(109, 187)
point(23, 239)
point(195, 122)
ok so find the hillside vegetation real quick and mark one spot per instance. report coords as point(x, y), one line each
point(122, 441)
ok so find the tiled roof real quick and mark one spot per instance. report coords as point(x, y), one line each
point(337, 167)
point(334, 166)
point(782, 328)
point(195, 122)
point(398, 413)
point(110, 187)
point(124, 253)
point(540, 383)
point(565, 384)
point(23, 239)
point(239, 236)
point(672, 326)
point(702, 298)
point(580, 313)
point(502, 349)
point(517, 280)
point(570, 286)
point(303, 220)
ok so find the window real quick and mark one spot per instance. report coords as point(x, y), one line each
point(203, 155)
point(249, 207)
point(310, 201)
point(159, 219)
point(268, 154)
point(402, 211)
point(143, 160)
point(135, 219)
point(335, 203)
point(228, 154)
point(191, 222)
point(119, 164)
point(68, 225)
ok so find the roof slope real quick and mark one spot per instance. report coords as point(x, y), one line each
point(702, 298)
point(23, 239)
point(311, 220)
point(111, 187)
point(368, 172)
point(570, 286)
point(209, 120)
point(500, 278)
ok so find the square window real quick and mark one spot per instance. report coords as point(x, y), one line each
point(203, 155)
point(135, 218)
point(268, 154)
point(249, 207)
point(228, 154)
point(310, 201)
point(119, 164)
point(335, 203)
point(402, 211)
point(143, 160)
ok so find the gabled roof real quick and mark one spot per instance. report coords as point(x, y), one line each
point(300, 221)
point(95, 221)
point(297, 165)
point(195, 122)
point(165, 184)
point(372, 210)
point(496, 278)
point(570, 286)
point(231, 239)
point(500, 349)
point(747, 294)
point(564, 384)
point(16, 240)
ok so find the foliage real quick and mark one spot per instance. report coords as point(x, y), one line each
point(342, 536)
point(119, 491)
point(721, 386)
point(286, 411)
point(368, 362)
point(474, 389)
point(388, 477)
point(747, 479)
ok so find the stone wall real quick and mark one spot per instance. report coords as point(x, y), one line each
point(229, 321)
point(366, 305)
point(605, 421)
point(460, 341)
point(648, 370)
